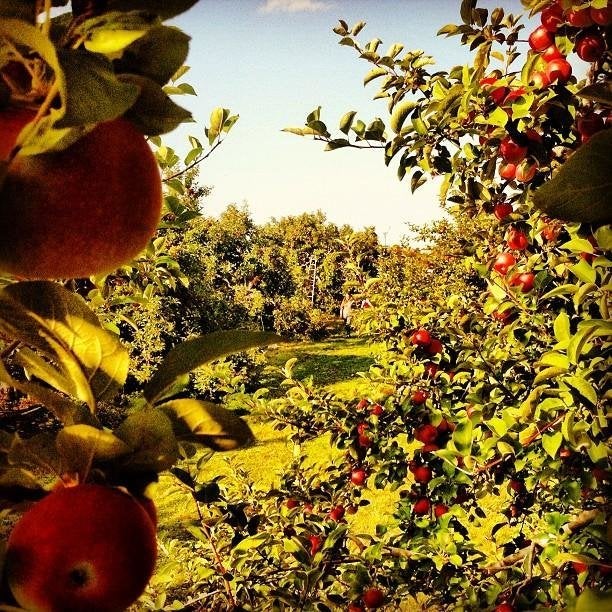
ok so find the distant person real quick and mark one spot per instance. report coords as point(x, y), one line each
point(346, 311)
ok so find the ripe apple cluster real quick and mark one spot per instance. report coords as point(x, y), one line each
point(582, 25)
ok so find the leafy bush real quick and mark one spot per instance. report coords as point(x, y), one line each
point(295, 318)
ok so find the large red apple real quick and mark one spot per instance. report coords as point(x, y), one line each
point(88, 548)
point(504, 262)
point(590, 46)
point(78, 212)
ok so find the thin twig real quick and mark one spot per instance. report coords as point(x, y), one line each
point(193, 164)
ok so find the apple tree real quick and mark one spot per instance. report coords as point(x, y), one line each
point(84, 90)
point(502, 388)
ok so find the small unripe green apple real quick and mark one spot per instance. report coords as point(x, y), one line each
point(78, 212)
point(88, 548)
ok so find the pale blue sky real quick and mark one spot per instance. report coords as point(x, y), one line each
point(273, 67)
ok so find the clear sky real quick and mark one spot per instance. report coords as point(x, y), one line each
point(274, 61)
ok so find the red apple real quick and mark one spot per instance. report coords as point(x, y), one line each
point(541, 38)
point(421, 337)
point(551, 53)
point(363, 403)
point(503, 316)
point(579, 18)
point(525, 281)
point(507, 172)
point(445, 426)
point(502, 210)
point(421, 506)
point(517, 486)
point(517, 240)
point(337, 513)
point(292, 503)
point(540, 79)
point(580, 567)
point(377, 410)
point(431, 369)
point(590, 124)
point(419, 397)
point(559, 70)
point(315, 544)
point(550, 233)
point(364, 441)
point(526, 170)
point(429, 448)
point(373, 598)
point(440, 510)
point(358, 477)
point(422, 474)
point(552, 17)
point(497, 94)
point(434, 347)
point(505, 607)
point(88, 547)
point(426, 433)
point(503, 262)
point(362, 428)
point(601, 16)
point(590, 46)
point(511, 151)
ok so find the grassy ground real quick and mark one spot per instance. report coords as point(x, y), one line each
point(334, 365)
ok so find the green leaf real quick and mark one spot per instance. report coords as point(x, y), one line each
point(374, 74)
point(554, 359)
point(578, 245)
point(347, 121)
point(584, 388)
point(217, 119)
point(150, 436)
point(585, 272)
point(603, 235)
point(580, 191)
point(593, 601)
point(46, 316)
point(157, 55)
point(93, 92)
point(64, 409)
point(193, 353)
point(597, 92)
point(561, 327)
point(551, 443)
point(79, 445)
point(163, 8)
point(153, 113)
point(462, 436)
point(400, 113)
point(208, 424)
